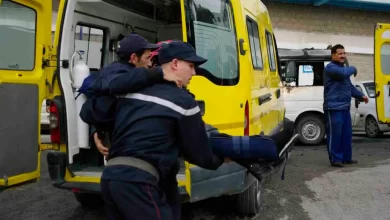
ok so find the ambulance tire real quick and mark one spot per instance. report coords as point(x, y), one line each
point(89, 200)
point(250, 201)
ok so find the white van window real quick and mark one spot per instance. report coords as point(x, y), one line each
point(254, 42)
point(211, 30)
point(17, 36)
point(370, 89)
point(90, 40)
point(308, 74)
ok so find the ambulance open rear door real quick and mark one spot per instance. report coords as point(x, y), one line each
point(382, 71)
point(25, 37)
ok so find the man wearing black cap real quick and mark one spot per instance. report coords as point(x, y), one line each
point(153, 127)
point(133, 53)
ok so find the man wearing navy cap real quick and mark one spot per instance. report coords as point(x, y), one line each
point(153, 127)
point(133, 54)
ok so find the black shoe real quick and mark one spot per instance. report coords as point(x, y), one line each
point(256, 168)
point(283, 137)
point(337, 164)
point(351, 162)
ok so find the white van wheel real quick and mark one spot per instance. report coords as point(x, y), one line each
point(372, 128)
point(311, 129)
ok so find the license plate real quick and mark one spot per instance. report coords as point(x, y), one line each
point(46, 147)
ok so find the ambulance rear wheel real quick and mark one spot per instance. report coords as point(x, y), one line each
point(249, 202)
point(89, 200)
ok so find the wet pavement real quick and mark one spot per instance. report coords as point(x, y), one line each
point(312, 189)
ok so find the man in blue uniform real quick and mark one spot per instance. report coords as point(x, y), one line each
point(152, 128)
point(338, 91)
point(133, 54)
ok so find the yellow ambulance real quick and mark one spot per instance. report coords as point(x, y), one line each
point(240, 96)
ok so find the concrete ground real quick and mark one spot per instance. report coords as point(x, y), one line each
point(311, 190)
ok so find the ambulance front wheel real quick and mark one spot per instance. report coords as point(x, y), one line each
point(249, 202)
point(89, 200)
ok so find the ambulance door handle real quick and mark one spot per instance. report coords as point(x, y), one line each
point(278, 93)
point(265, 98)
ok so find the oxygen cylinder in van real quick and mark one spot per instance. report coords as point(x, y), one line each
point(79, 72)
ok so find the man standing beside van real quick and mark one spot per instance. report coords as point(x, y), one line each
point(338, 91)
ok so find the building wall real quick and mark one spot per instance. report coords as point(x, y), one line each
point(339, 22)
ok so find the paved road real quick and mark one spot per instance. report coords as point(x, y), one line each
point(312, 190)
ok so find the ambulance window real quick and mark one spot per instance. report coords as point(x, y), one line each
point(254, 41)
point(17, 38)
point(211, 30)
point(385, 59)
point(90, 40)
point(271, 52)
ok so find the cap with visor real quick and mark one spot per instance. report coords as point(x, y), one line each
point(179, 50)
point(132, 44)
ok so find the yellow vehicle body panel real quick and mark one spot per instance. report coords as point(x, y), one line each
point(382, 71)
point(41, 10)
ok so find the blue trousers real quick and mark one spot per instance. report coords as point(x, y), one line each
point(339, 135)
point(138, 201)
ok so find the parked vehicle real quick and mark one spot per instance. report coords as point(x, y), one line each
point(303, 91)
point(367, 119)
point(382, 71)
point(240, 96)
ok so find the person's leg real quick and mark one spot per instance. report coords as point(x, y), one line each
point(112, 211)
point(140, 201)
point(334, 122)
point(175, 204)
point(170, 188)
point(347, 138)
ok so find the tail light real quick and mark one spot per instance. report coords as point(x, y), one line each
point(54, 123)
point(246, 120)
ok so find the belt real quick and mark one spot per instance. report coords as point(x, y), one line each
point(134, 162)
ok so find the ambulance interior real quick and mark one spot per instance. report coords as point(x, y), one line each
point(96, 27)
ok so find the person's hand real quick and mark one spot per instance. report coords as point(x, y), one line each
point(227, 160)
point(99, 145)
point(173, 78)
point(365, 99)
point(355, 71)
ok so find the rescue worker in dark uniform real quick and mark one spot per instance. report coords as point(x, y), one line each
point(153, 127)
point(338, 91)
point(133, 54)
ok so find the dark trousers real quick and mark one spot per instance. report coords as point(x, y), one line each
point(339, 135)
point(137, 201)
